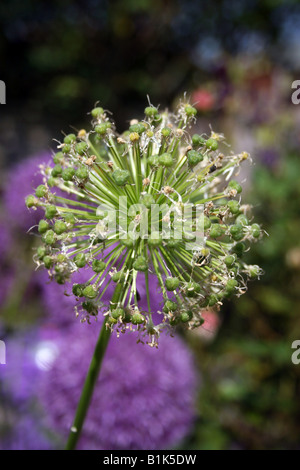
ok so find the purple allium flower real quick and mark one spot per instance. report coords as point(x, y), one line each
point(21, 181)
point(6, 271)
point(6, 282)
point(25, 434)
point(27, 354)
point(269, 156)
point(5, 240)
point(144, 398)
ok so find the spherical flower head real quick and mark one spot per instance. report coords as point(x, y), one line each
point(138, 402)
point(21, 181)
point(132, 205)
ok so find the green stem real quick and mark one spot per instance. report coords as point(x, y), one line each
point(88, 388)
point(91, 379)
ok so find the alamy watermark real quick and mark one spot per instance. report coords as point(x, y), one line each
point(2, 92)
point(2, 352)
point(179, 221)
point(296, 94)
point(296, 354)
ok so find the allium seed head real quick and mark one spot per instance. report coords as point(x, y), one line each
point(132, 205)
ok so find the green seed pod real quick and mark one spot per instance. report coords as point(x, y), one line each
point(49, 237)
point(137, 318)
point(43, 226)
point(128, 242)
point(118, 276)
point(239, 249)
point(97, 112)
point(166, 131)
point(147, 200)
point(139, 128)
point(120, 177)
point(41, 252)
point(52, 182)
point(230, 287)
point(194, 157)
point(111, 321)
point(186, 316)
point(59, 227)
point(41, 191)
point(81, 148)
point(157, 119)
point(98, 265)
point(206, 222)
point(174, 320)
point(134, 136)
point(166, 160)
point(60, 278)
point(118, 313)
point(61, 258)
point(190, 110)
point(211, 144)
point(241, 220)
point(57, 171)
point(192, 289)
point(80, 260)
point(90, 307)
point(66, 148)
point(140, 264)
point(229, 260)
point(82, 173)
point(31, 201)
point(171, 283)
point(235, 185)
point(197, 140)
point(77, 289)
point(89, 292)
point(101, 129)
point(255, 230)
point(154, 240)
point(151, 111)
point(213, 299)
point(153, 160)
point(216, 230)
point(254, 271)
point(172, 243)
point(48, 262)
point(69, 218)
point(58, 158)
point(170, 306)
point(68, 173)
point(234, 207)
point(69, 138)
point(50, 212)
point(237, 232)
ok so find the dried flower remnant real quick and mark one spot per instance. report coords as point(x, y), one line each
point(111, 183)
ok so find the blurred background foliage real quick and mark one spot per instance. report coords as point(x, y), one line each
point(237, 61)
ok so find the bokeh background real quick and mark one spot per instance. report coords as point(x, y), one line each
point(236, 60)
